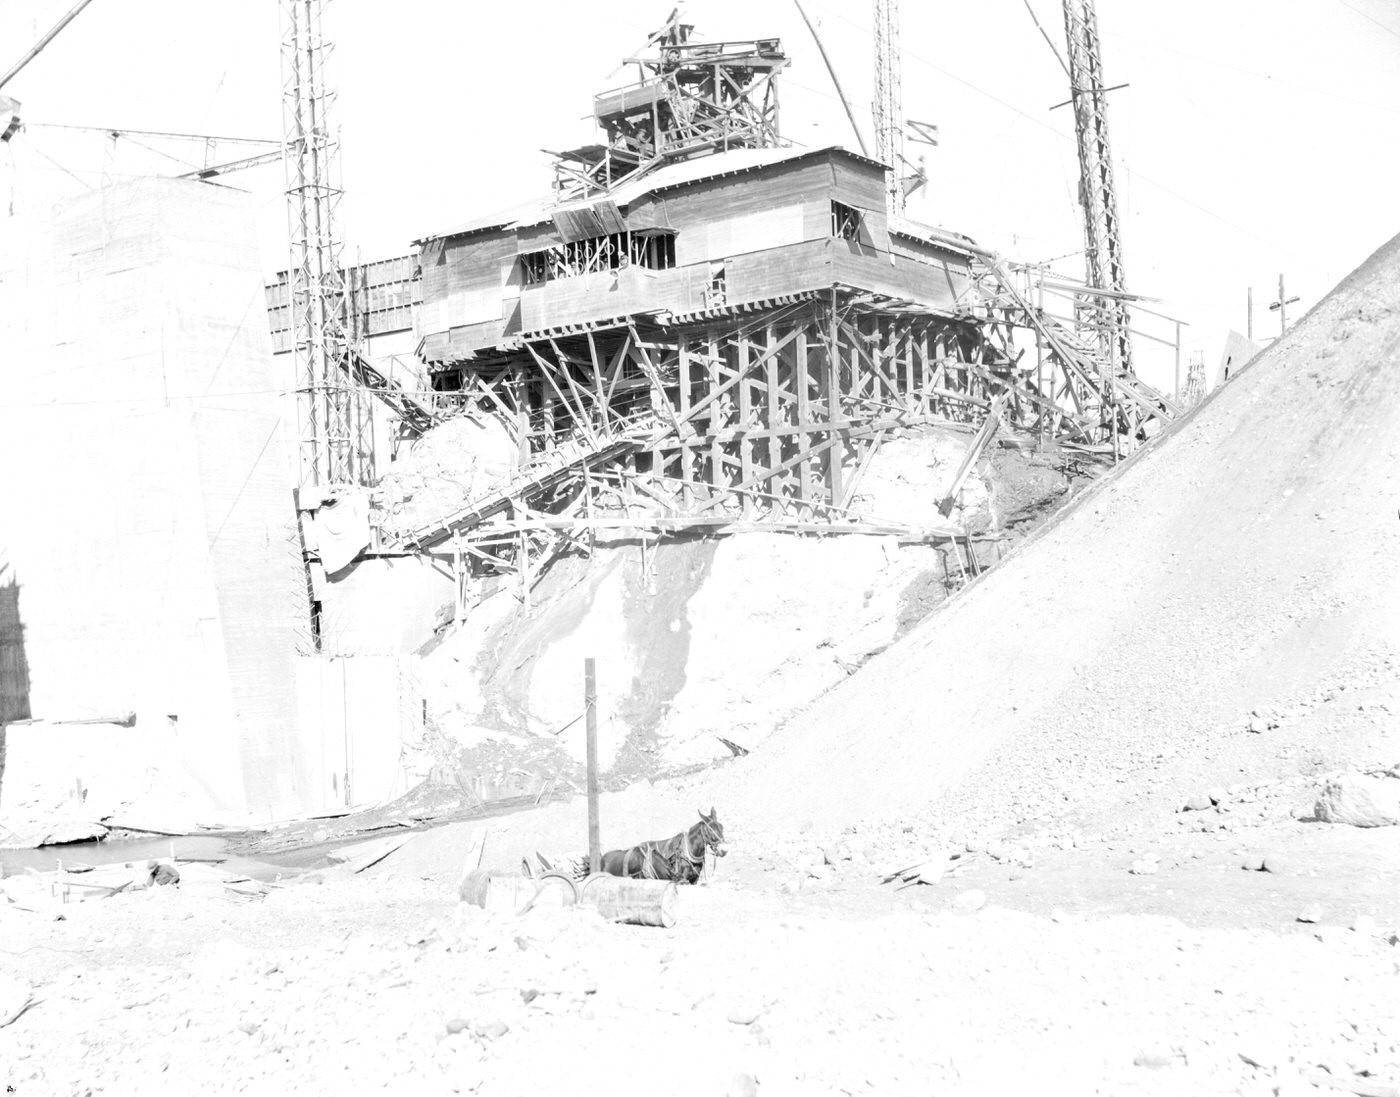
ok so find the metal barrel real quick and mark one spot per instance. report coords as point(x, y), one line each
point(636, 902)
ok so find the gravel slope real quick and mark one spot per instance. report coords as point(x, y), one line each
point(1242, 561)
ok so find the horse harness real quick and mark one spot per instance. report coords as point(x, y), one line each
point(676, 850)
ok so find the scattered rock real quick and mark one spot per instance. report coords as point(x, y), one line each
point(742, 1085)
point(1157, 1058)
point(968, 902)
point(1310, 914)
point(1197, 802)
point(1258, 725)
point(456, 1025)
point(1253, 861)
point(1277, 864)
point(493, 1030)
point(1360, 800)
point(744, 1015)
point(1217, 795)
point(1361, 1087)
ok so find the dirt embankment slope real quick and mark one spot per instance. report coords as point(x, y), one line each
point(704, 638)
point(1242, 561)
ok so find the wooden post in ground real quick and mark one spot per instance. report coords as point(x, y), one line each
point(590, 703)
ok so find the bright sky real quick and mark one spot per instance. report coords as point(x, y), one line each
point(1256, 137)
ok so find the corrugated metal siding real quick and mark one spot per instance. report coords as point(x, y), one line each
point(382, 296)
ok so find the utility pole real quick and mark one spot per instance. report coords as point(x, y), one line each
point(835, 80)
point(38, 46)
point(889, 101)
point(9, 108)
point(1281, 307)
point(590, 705)
point(1103, 247)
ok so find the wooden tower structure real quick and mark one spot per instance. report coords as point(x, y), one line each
point(690, 99)
point(701, 330)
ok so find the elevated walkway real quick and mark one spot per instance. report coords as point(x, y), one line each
point(399, 400)
point(547, 471)
point(1079, 357)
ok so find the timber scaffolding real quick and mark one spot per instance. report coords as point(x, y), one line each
point(715, 336)
point(762, 416)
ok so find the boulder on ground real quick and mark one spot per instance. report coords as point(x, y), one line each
point(1360, 800)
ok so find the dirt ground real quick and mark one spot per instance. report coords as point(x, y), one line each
point(1045, 964)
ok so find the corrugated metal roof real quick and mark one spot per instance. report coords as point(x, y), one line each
point(733, 162)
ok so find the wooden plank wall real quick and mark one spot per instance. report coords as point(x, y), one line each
point(934, 285)
point(771, 229)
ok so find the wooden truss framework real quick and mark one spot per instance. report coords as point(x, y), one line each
point(742, 421)
point(691, 97)
point(1114, 410)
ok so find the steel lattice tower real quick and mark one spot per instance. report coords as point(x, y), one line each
point(889, 123)
point(1103, 246)
point(329, 419)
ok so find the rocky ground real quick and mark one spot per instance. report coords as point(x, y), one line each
point(1186, 935)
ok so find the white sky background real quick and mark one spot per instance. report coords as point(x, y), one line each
point(1258, 137)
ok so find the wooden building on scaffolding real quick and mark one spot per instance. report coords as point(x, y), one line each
point(751, 322)
point(703, 328)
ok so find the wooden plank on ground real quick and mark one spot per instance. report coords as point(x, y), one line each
point(363, 855)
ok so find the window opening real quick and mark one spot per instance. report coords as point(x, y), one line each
point(716, 292)
point(845, 221)
point(653, 250)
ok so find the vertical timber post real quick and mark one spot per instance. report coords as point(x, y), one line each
point(590, 707)
point(834, 410)
point(1177, 390)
